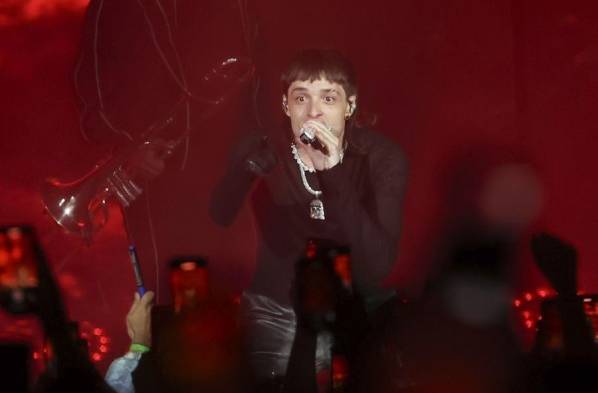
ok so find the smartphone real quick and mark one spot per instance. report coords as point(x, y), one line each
point(189, 282)
point(15, 367)
point(315, 276)
point(340, 257)
point(552, 326)
point(19, 276)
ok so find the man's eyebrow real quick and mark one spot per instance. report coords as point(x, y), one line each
point(298, 89)
point(331, 90)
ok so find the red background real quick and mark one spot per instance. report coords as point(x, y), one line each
point(459, 84)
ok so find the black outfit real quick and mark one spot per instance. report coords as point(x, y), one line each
point(362, 202)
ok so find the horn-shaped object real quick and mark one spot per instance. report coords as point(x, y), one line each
point(81, 206)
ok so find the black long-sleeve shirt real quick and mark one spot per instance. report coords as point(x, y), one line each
point(362, 203)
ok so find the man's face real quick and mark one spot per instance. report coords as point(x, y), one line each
point(320, 100)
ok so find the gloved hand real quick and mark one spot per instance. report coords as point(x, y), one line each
point(259, 158)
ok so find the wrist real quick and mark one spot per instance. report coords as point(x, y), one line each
point(142, 337)
point(139, 348)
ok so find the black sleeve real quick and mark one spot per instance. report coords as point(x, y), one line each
point(228, 195)
point(230, 191)
point(372, 228)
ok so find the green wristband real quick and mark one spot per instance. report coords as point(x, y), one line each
point(140, 348)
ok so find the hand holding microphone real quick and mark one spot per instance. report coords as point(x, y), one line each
point(308, 137)
point(321, 144)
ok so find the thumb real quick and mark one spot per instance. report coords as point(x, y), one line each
point(147, 298)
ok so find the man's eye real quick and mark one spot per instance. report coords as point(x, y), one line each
point(329, 100)
point(300, 99)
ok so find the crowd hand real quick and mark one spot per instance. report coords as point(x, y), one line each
point(261, 159)
point(139, 319)
point(332, 142)
point(558, 262)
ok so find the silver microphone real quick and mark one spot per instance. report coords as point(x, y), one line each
point(308, 137)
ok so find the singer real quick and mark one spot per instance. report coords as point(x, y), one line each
point(329, 179)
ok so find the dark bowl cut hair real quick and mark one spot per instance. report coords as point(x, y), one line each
point(314, 64)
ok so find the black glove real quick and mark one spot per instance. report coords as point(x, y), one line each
point(261, 158)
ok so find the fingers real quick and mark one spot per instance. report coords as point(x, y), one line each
point(145, 301)
point(139, 319)
point(331, 141)
point(330, 156)
point(147, 298)
point(324, 134)
point(319, 127)
point(261, 162)
point(135, 303)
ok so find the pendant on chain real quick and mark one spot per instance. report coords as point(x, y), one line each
point(316, 207)
point(316, 210)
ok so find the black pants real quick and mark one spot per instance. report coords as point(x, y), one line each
point(270, 330)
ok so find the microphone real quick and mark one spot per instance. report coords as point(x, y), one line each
point(308, 137)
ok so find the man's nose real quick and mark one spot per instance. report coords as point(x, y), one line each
point(314, 110)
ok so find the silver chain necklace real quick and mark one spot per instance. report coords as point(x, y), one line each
point(316, 207)
point(299, 160)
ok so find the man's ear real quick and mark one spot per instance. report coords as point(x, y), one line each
point(285, 105)
point(351, 106)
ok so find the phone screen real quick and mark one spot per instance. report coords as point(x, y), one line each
point(189, 280)
point(18, 268)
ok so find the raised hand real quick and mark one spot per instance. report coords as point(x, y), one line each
point(332, 142)
point(558, 262)
point(139, 319)
point(261, 158)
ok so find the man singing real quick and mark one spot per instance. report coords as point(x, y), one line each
point(330, 180)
